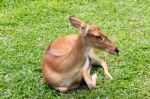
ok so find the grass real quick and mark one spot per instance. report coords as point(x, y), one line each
point(28, 26)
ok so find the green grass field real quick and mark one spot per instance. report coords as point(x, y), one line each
point(27, 27)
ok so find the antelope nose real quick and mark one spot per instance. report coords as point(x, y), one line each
point(117, 50)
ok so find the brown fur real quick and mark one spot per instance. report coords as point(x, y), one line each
point(66, 61)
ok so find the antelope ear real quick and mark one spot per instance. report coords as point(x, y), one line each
point(80, 25)
point(84, 30)
point(75, 21)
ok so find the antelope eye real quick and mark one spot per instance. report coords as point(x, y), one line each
point(99, 37)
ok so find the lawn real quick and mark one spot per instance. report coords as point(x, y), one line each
point(28, 26)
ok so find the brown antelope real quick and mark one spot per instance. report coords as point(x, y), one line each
point(67, 61)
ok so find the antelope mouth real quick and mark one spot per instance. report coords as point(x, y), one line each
point(115, 51)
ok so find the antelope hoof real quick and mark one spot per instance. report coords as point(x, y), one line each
point(94, 77)
point(62, 89)
point(108, 76)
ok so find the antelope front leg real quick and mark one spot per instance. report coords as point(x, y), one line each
point(102, 63)
point(85, 72)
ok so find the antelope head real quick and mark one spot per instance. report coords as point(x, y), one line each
point(94, 36)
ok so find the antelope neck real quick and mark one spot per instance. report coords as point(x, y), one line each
point(80, 50)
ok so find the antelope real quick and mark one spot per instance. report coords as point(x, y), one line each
point(67, 60)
